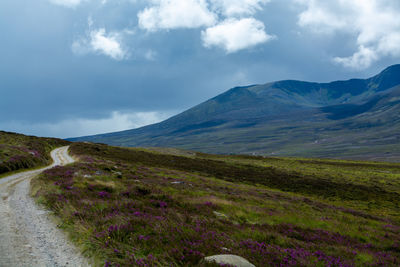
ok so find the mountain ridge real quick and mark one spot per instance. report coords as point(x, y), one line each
point(229, 122)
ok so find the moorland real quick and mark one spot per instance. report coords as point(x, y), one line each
point(167, 207)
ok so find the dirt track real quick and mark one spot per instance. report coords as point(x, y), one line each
point(27, 236)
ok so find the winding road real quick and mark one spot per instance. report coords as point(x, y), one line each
point(28, 237)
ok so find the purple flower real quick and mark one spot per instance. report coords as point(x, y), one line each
point(104, 194)
point(143, 237)
point(162, 204)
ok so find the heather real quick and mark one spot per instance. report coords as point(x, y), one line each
point(19, 151)
point(131, 207)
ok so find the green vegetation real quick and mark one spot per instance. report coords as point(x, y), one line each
point(142, 207)
point(19, 151)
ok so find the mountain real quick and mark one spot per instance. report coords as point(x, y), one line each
point(357, 119)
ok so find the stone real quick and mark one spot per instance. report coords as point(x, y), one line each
point(220, 215)
point(233, 260)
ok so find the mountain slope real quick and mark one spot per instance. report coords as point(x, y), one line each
point(343, 119)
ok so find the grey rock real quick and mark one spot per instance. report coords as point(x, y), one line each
point(229, 259)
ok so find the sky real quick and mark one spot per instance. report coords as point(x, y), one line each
point(80, 67)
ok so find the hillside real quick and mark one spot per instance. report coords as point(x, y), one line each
point(19, 151)
point(165, 207)
point(355, 119)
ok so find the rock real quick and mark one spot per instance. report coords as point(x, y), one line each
point(220, 215)
point(230, 260)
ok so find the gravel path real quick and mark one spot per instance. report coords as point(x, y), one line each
point(27, 235)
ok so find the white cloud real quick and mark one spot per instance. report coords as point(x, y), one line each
point(173, 14)
point(223, 21)
point(322, 16)
point(235, 34)
point(67, 3)
point(362, 59)
point(117, 121)
point(98, 41)
point(374, 23)
point(107, 44)
point(237, 7)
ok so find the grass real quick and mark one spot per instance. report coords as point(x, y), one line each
point(19, 152)
point(138, 207)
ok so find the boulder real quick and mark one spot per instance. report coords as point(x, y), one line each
point(229, 260)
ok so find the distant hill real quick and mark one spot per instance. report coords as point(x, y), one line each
point(358, 119)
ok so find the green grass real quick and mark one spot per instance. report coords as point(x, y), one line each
point(19, 152)
point(132, 207)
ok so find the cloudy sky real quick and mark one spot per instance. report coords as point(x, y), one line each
point(78, 67)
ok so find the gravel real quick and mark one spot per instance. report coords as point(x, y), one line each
point(28, 237)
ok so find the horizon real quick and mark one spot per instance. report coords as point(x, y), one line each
point(248, 86)
point(77, 68)
point(173, 115)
